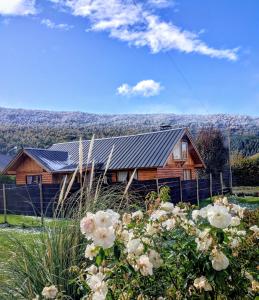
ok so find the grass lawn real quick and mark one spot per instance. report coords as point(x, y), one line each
point(245, 189)
point(21, 221)
point(5, 252)
point(20, 227)
point(247, 201)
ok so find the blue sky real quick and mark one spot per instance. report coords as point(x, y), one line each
point(130, 56)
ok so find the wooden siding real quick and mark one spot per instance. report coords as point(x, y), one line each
point(174, 168)
point(29, 167)
point(147, 174)
point(114, 176)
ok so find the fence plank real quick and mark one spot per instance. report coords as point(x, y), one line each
point(5, 204)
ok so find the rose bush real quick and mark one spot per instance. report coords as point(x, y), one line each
point(168, 252)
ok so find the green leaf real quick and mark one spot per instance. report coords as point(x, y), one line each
point(220, 236)
point(117, 252)
point(100, 257)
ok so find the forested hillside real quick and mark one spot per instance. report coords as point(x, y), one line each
point(32, 128)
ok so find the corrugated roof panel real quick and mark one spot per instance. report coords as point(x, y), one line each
point(133, 151)
point(51, 160)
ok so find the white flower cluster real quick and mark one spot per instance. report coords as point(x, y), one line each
point(96, 282)
point(221, 215)
point(100, 228)
point(49, 292)
point(216, 230)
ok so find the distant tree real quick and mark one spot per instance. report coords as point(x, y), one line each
point(6, 179)
point(210, 143)
point(246, 171)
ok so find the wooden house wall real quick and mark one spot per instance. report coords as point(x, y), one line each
point(29, 167)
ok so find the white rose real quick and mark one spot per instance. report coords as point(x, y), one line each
point(126, 218)
point(150, 229)
point(241, 233)
point(157, 215)
point(137, 215)
point(104, 237)
point(91, 251)
point(155, 259)
point(225, 201)
point(234, 243)
point(144, 265)
point(219, 260)
point(135, 247)
point(92, 269)
point(204, 211)
point(218, 216)
point(202, 283)
point(255, 229)
point(87, 225)
point(115, 217)
point(169, 224)
point(235, 221)
point(103, 219)
point(195, 214)
point(98, 285)
point(204, 240)
point(125, 235)
point(99, 296)
point(50, 292)
point(167, 206)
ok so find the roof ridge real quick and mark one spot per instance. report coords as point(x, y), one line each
point(123, 136)
point(42, 149)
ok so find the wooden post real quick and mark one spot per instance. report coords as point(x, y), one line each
point(229, 161)
point(221, 183)
point(197, 187)
point(211, 194)
point(41, 205)
point(5, 204)
point(157, 186)
point(181, 190)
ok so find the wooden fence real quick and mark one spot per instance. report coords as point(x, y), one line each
point(41, 200)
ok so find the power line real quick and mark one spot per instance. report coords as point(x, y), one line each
point(180, 72)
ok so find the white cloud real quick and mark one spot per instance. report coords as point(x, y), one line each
point(161, 3)
point(138, 25)
point(145, 88)
point(17, 7)
point(50, 24)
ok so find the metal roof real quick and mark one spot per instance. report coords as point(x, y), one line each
point(50, 160)
point(134, 151)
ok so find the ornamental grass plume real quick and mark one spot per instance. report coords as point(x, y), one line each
point(54, 256)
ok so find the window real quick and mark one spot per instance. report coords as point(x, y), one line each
point(180, 151)
point(122, 176)
point(184, 150)
point(135, 175)
point(177, 151)
point(187, 174)
point(33, 179)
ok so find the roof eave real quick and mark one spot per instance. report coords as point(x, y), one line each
point(19, 154)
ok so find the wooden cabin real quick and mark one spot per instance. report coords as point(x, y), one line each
point(162, 154)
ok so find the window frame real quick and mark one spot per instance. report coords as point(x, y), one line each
point(33, 176)
point(179, 148)
point(122, 171)
point(129, 174)
point(184, 143)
